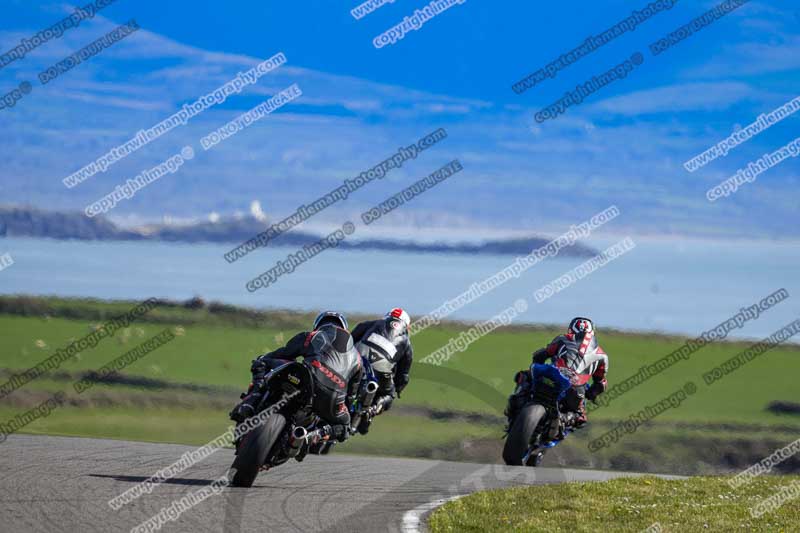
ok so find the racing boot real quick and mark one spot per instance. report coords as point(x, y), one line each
point(318, 445)
point(580, 419)
point(556, 431)
point(510, 411)
point(517, 399)
point(302, 453)
point(329, 436)
point(515, 402)
point(363, 425)
point(247, 407)
point(327, 447)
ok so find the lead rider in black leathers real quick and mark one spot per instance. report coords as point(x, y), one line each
point(334, 362)
point(386, 344)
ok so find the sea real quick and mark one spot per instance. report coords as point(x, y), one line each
point(664, 285)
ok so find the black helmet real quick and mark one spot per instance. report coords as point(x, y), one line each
point(330, 317)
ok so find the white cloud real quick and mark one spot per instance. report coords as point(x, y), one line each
point(257, 212)
point(342, 125)
point(712, 96)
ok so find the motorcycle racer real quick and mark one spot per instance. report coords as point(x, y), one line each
point(577, 355)
point(386, 344)
point(329, 352)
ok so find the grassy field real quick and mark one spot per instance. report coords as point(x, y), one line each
point(214, 345)
point(630, 504)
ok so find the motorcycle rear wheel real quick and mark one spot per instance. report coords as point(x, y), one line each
point(253, 451)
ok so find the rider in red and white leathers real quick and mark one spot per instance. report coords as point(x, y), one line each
point(580, 357)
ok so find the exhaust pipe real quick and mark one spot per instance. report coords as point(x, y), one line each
point(371, 389)
point(298, 438)
point(366, 403)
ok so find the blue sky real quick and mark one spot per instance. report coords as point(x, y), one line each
point(624, 145)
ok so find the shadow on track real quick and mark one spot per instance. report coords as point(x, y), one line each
point(171, 481)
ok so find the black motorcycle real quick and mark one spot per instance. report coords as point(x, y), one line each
point(290, 427)
point(542, 422)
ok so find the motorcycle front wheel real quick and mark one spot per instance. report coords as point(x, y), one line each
point(519, 436)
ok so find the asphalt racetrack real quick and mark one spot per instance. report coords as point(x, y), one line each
point(64, 484)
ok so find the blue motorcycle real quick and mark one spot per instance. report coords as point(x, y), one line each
point(541, 423)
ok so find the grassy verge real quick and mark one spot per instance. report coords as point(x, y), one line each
point(631, 505)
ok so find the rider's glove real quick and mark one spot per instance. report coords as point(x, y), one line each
point(400, 383)
point(258, 368)
point(540, 355)
point(597, 388)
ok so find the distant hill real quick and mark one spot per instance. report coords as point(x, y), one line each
point(31, 222)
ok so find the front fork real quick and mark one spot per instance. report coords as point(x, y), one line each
point(548, 433)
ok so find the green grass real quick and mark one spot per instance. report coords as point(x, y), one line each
point(217, 355)
point(626, 505)
point(220, 355)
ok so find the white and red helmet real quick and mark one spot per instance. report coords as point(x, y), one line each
point(580, 326)
point(398, 318)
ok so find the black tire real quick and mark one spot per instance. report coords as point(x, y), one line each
point(519, 437)
point(363, 426)
point(253, 451)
